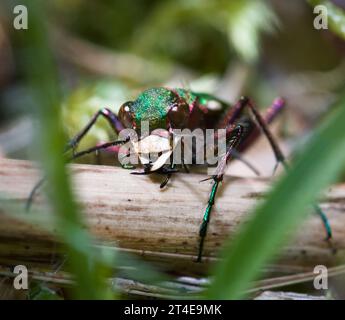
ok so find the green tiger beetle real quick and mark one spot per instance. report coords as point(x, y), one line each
point(169, 109)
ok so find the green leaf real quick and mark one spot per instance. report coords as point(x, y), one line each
point(289, 201)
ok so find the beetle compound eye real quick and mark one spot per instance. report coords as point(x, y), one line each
point(179, 115)
point(125, 115)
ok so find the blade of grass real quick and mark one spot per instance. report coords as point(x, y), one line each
point(288, 203)
point(42, 77)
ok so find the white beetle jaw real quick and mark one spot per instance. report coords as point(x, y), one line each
point(156, 145)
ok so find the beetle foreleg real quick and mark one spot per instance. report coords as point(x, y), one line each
point(72, 144)
point(97, 148)
point(74, 156)
point(107, 114)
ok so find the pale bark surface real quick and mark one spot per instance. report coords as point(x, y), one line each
point(162, 225)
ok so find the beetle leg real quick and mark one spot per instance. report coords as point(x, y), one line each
point(107, 114)
point(279, 154)
point(72, 144)
point(185, 167)
point(172, 170)
point(263, 122)
point(168, 173)
point(279, 103)
point(269, 115)
point(33, 192)
point(235, 112)
point(98, 147)
point(281, 159)
point(74, 156)
point(144, 171)
point(238, 156)
point(234, 140)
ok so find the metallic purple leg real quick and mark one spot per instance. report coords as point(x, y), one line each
point(107, 114)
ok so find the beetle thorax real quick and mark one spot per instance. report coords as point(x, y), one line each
point(153, 106)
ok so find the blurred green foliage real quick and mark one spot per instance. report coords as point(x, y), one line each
point(202, 36)
point(198, 33)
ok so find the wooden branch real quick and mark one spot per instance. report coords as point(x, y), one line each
point(161, 225)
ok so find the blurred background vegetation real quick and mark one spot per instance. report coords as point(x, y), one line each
point(102, 53)
point(106, 51)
